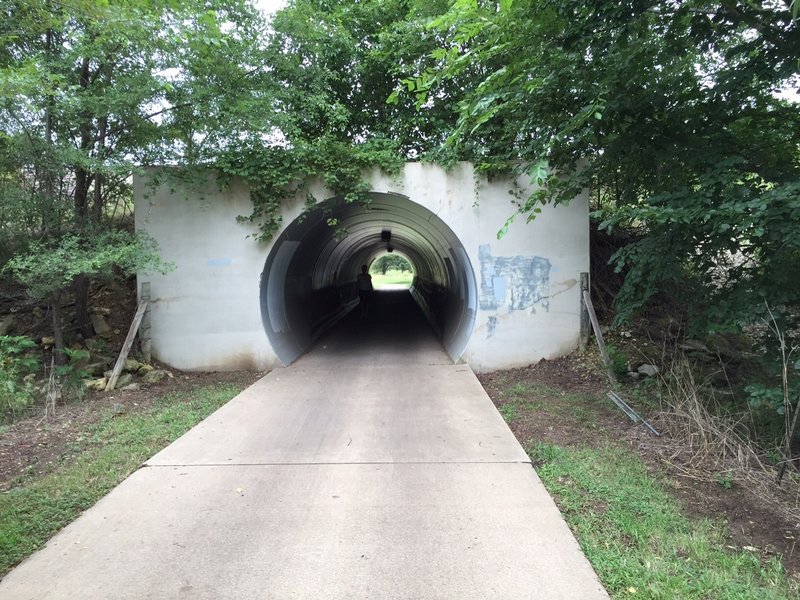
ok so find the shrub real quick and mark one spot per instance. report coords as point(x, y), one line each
point(16, 362)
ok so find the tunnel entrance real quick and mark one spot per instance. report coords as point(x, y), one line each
point(308, 281)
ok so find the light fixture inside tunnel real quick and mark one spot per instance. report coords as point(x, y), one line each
point(308, 282)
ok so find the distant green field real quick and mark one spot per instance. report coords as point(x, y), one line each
point(391, 279)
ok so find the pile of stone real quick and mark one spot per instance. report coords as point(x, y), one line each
point(134, 373)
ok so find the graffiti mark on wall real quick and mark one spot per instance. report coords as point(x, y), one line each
point(513, 282)
point(491, 325)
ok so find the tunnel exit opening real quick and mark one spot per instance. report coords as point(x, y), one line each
point(392, 271)
point(308, 282)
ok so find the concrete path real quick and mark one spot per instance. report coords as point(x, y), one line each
point(372, 468)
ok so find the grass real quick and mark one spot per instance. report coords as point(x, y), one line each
point(392, 277)
point(509, 412)
point(628, 523)
point(540, 398)
point(112, 449)
point(637, 539)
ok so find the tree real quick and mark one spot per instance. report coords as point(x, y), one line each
point(669, 112)
point(333, 66)
point(92, 90)
point(46, 269)
point(389, 262)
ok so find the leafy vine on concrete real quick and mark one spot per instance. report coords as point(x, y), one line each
point(275, 175)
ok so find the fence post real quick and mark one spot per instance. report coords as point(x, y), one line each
point(144, 329)
point(584, 340)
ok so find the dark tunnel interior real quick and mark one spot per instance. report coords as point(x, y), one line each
point(308, 282)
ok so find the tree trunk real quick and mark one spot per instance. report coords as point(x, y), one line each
point(58, 331)
point(83, 181)
point(84, 324)
point(83, 178)
point(48, 129)
point(97, 207)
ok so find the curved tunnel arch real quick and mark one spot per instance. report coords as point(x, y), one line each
point(308, 282)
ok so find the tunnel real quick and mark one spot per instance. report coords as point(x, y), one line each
point(308, 282)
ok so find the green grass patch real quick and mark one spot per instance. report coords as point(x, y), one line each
point(637, 539)
point(509, 412)
point(392, 277)
point(33, 511)
point(538, 397)
point(521, 390)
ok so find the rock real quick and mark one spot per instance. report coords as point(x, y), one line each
point(101, 310)
point(124, 379)
point(99, 324)
point(131, 387)
point(96, 368)
point(117, 408)
point(48, 340)
point(720, 345)
point(633, 375)
point(107, 374)
point(38, 312)
point(648, 370)
point(97, 385)
point(154, 376)
point(695, 345)
point(96, 345)
point(144, 369)
point(132, 365)
point(7, 324)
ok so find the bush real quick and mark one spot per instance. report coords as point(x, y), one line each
point(619, 362)
point(16, 394)
point(72, 375)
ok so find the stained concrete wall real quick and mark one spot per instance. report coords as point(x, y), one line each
point(517, 298)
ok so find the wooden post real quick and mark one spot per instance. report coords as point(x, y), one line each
point(144, 330)
point(599, 337)
point(126, 347)
point(584, 341)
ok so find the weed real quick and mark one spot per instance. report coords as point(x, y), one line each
point(619, 362)
point(520, 389)
point(72, 375)
point(509, 412)
point(725, 480)
point(16, 363)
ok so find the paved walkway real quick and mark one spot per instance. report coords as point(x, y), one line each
point(371, 468)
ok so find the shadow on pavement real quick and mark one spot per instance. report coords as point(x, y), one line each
point(394, 324)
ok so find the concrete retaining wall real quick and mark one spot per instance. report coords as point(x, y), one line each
point(231, 303)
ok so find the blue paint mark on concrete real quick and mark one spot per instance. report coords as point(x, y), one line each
point(219, 262)
point(513, 282)
point(499, 285)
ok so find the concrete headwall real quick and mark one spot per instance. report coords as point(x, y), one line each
point(232, 303)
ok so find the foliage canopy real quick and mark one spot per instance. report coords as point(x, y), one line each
point(673, 114)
